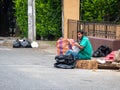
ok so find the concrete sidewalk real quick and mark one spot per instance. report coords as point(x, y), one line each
point(47, 46)
point(33, 69)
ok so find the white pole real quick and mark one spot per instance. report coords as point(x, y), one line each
point(34, 19)
point(62, 18)
point(31, 20)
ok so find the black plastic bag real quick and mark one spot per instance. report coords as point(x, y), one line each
point(67, 59)
point(16, 44)
point(64, 66)
point(65, 62)
point(25, 44)
point(102, 51)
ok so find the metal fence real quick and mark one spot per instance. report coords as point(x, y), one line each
point(95, 29)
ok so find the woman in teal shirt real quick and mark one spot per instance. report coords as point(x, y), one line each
point(84, 45)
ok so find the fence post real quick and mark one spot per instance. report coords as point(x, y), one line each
point(94, 29)
point(105, 30)
point(31, 20)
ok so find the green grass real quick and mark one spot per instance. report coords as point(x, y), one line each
point(47, 42)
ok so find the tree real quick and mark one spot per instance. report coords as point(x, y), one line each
point(21, 16)
point(48, 18)
point(100, 10)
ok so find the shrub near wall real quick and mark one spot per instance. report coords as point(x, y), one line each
point(21, 16)
point(48, 18)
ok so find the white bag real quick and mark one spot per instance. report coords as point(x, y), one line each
point(117, 56)
point(34, 44)
point(75, 49)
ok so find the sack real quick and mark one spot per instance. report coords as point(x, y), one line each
point(65, 62)
point(102, 51)
point(105, 50)
point(117, 56)
point(66, 59)
point(98, 53)
point(34, 44)
point(16, 44)
point(25, 44)
point(64, 45)
point(75, 49)
point(110, 56)
point(64, 66)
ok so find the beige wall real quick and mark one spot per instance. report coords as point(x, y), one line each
point(70, 11)
point(118, 32)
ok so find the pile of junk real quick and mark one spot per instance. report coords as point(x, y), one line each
point(106, 58)
point(102, 58)
point(24, 43)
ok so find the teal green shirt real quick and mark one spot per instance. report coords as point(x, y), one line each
point(86, 52)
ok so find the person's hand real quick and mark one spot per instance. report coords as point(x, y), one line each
point(76, 44)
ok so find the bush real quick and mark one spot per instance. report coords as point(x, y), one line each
point(48, 18)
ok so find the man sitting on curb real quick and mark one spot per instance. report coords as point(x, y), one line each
point(85, 47)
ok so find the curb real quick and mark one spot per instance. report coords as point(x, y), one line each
point(47, 46)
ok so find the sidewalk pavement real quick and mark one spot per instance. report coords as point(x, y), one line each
point(47, 46)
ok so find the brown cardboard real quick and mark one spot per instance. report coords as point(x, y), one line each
point(87, 64)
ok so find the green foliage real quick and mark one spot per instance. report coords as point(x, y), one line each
point(100, 10)
point(21, 16)
point(48, 18)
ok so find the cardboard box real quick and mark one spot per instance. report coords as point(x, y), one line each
point(87, 64)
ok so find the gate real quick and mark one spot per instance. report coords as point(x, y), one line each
point(99, 33)
point(95, 29)
point(72, 29)
point(98, 29)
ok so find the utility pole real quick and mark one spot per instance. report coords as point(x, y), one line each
point(31, 20)
point(62, 18)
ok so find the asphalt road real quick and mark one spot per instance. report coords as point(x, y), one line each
point(32, 69)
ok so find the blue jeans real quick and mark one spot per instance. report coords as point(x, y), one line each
point(75, 54)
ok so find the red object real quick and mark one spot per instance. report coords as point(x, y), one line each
point(64, 45)
point(110, 57)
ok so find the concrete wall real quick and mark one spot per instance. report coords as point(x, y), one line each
point(70, 11)
point(112, 40)
point(114, 44)
point(118, 32)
